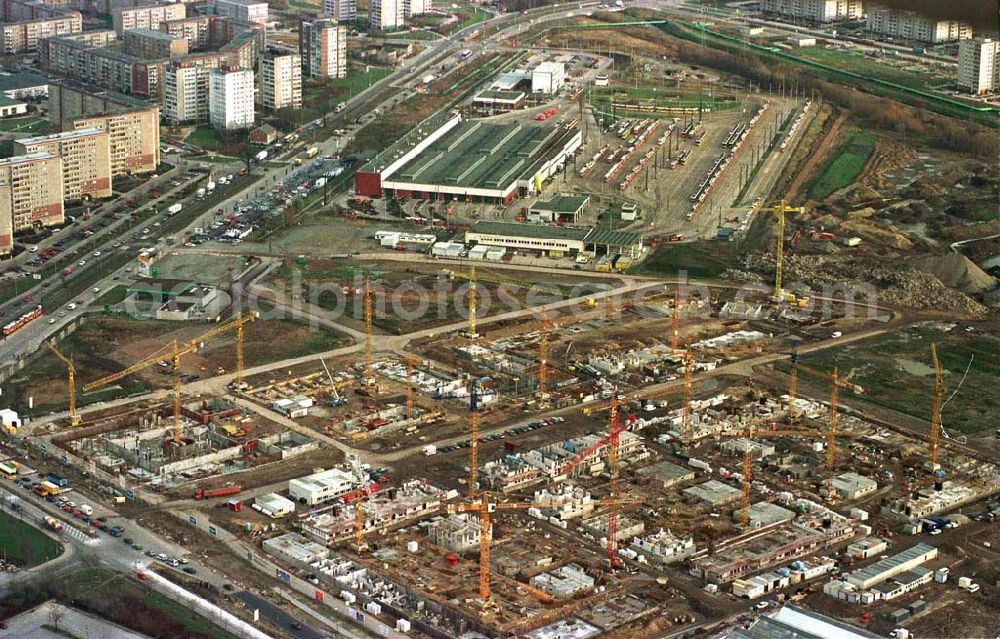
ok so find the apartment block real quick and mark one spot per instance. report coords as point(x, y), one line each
point(133, 138)
point(185, 93)
point(323, 48)
point(814, 10)
point(243, 10)
point(148, 17)
point(31, 194)
point(152, 43)
point(385, 14)
point(23, 37)
point(913, 27)
point(196, 30)
point(979, 65)
point(87, 57)
point(415, 7)
point(69, 100)
point(343, 11)
point(230, 98)
point(86, 160)
point(28, 10)
point(281, 80)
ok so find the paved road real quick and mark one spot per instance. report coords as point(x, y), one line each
point(280, 618)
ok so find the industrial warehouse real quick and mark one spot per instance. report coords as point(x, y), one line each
point(447, 158)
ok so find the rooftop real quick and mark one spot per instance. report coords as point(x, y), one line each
point(64, 135)
point(712, 492)
point(535, 231)
point(476, 154)
point(890, 563)
point(562, 204)
point(792, 622)
point(21, 80)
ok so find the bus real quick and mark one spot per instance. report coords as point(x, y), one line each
point(8, 469)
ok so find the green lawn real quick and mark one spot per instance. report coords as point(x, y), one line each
point(204, 137)
point(125, 602)
point(895, 371)
point(883, 68)
point(24, 545)
point(844, 167)
point(28, 124)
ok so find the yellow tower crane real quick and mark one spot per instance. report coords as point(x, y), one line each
point(239, 322)
point(836, 383)
point(745, 486)
point(369, 355)
point(780, 209)
point(543, 355)
point(688, 388)
point(935, 434)
point(675, 323)
point(409, 390)
point(74, 417)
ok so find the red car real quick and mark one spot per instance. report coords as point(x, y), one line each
point(67, 509)
point(95, 523)
point(78, 514)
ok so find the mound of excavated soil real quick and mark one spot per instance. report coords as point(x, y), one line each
point(955, 271)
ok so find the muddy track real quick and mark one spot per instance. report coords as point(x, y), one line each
point(819, 155)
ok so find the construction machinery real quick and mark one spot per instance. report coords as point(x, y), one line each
point(338, 399)
point(74, 417)
point(369, 354)
point(484, 505)
point(360, 493)
point(174, 351)
point(473, 440)
point(688, 389)
point(836, 383)
point(935, 434)
point(675, 322)
point(238, 323)
point(543, 354)
point(780, 209)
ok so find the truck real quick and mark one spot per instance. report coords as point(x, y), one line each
point(50, 489)
point(53, 523)
point(260, 157)
point(201, 493)
point(320, 183)
point(174, 209)
point(430, 449)
point(340, 107)
point(311, 152)
point(86, 510)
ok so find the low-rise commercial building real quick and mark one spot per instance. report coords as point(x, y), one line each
point(274, 505)
point(548, 77)
point(712, 493)
point(320, 487)
point(85, 156)
point(879, 571)
point(23, 85)
point(12, 108)
point(867, 548)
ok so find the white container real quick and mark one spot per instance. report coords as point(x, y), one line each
point(964, 582)
point(403, 625)
point(412, 546)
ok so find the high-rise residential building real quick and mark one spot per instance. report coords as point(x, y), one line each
point(230, 98)
point(979, 65)
point(31, 195)
point(86, 160)
point(814, 10)
point(385, 14)
point(243, 10)
point(417, 7)
point(280, 80)
point(133, 138)
point(148, 17)
point(185, 93)
point(343, 11)
point(913, 27)
point(323, 48)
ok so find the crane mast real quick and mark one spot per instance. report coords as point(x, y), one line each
point(935, 434)
point(74, 417)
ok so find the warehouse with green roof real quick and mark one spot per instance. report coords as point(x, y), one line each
point(447, 158)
